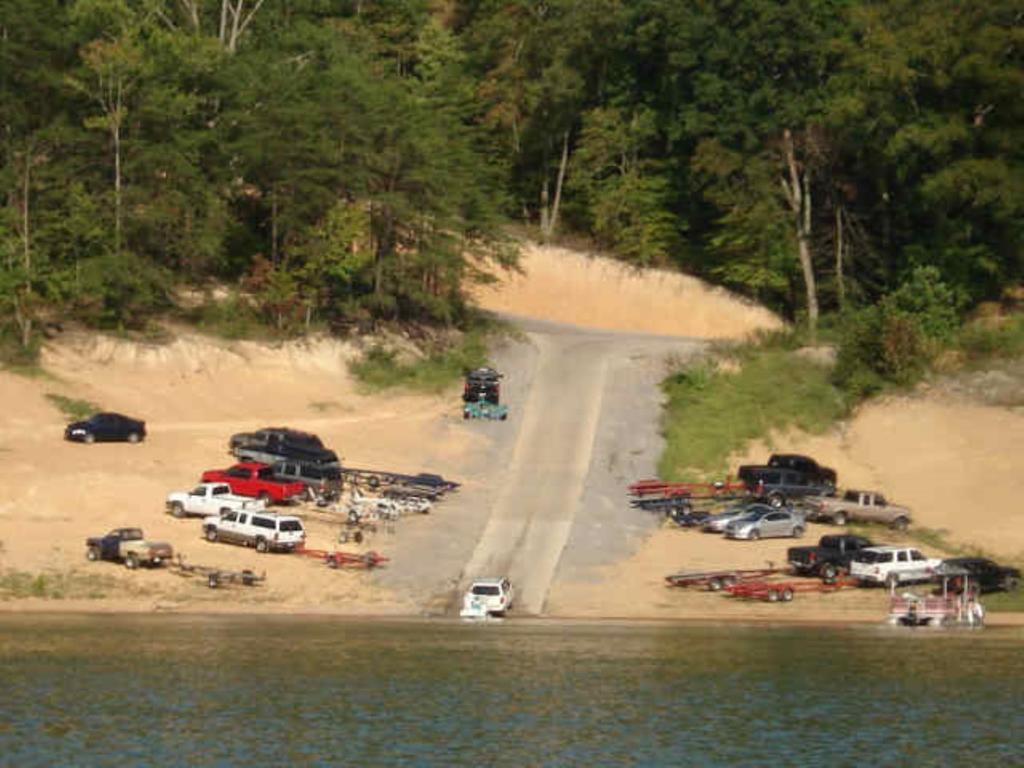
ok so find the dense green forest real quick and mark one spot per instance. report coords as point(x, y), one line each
point(343, 161)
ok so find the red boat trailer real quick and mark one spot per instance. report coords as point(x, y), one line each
point(715, 581)
point(653, 487)
point(784, 591)
point(338, 559)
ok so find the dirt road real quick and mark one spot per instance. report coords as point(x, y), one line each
point(585, 428)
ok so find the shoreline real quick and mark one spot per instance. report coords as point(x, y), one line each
point(34, 607)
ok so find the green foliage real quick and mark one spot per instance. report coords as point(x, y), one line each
point(984, 341)
point(711, 413)
point(894, 341)
point(57, 585)
point(234, 317)
point(72, 407)
point(379, 368)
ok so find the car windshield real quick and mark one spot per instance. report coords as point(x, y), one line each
point(486, 589)
point(290, 525)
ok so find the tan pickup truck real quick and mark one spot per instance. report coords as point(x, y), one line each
point(128, 546)
point(859, 506)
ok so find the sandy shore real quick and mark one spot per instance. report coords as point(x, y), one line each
point(954, 462)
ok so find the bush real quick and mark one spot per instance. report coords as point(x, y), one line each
point(895, 341)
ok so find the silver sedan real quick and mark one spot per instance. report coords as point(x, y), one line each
point(766, 524)
point(717, 523)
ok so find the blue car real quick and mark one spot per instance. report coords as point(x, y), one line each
point(106, 427)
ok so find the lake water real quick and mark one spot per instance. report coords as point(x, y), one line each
point(210, 691)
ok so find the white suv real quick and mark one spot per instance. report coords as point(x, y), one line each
point(262, 530)
point(489, 596)
point(892, 565)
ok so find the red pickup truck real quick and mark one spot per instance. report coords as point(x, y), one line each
point(250, 478)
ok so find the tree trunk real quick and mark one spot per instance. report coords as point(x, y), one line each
point(840, 284)
point(273, 225)
point(26, 234)
point(798, 193)
point(562, 165)
point(544, 210)
point(116, 132)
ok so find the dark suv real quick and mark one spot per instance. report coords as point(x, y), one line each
point(274, 444)
point(779, 486)
point(482, 384)
point(814, 471)
point(106, 427)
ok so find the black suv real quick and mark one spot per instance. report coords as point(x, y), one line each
point(273, 444)
point(106, 427)
point(482, 384)
point(805, 464)
point(778, 486)
point(991, 576)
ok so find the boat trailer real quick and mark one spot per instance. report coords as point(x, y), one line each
point(214, 576)
point(338, 559)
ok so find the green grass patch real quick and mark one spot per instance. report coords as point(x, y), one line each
point(72, 408)
point(983, 342)
point(56, 585)
point(714, 410)
point(380, 369)
point(1004, 602)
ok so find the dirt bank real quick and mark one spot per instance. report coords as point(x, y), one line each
point(580, 289)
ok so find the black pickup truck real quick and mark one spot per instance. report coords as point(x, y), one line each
point(832, 554)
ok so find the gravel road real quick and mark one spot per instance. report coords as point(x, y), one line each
point(545, 499)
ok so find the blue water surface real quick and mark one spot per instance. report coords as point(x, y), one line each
point(214, 691)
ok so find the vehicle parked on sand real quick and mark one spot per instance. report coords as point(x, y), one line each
point(253, 479)
point(859, 506)
point(487, 597)
point(832, 555)
point(272, 444)
point(106, 428)
point(128, 546)
point(778, 486)
point(989, 576)
point(264, 531)
point(209, 499)
point(814, 471)
point(482, 384)
point(892, 566)
point(716, 523)
point(766, 523)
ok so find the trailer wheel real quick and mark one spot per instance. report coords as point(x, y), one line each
point(248, 577)
point(343, 537)
point(357, 537)
point(715, 584)
point(373, 481)
point(773, 595)
point(787, 595)
point(131, 561)
point(211, 534)
point(212, 580)
point(92, 554)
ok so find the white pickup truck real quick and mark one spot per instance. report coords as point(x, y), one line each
point(209, 499)
point(892, 566)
